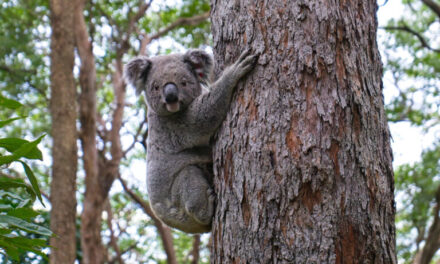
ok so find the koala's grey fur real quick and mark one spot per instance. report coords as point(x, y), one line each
point(182, 118)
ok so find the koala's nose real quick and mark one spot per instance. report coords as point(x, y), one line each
point(170, 92)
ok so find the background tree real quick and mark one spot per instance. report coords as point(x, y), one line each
point(63, 109)
point(126, 232)
point(303, 160)
point(412, 60)
point(101, 164)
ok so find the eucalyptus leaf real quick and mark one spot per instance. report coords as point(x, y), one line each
point(22, 151)
point(9, 103)
point(23, 225)
point(12, 144)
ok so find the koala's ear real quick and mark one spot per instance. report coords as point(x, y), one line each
point(201, 63)
point(136, 72)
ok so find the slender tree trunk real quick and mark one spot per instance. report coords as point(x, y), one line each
point(91, 244)
point(303, 160)
point(63, 109)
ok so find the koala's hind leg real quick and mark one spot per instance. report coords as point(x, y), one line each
point(197, 196)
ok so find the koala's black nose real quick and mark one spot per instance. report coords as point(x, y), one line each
point(170, 92)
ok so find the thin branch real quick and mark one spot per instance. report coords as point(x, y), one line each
point(16, 71)
point(183, 21)
point(135, 137)
point(418, 35)
point(113, 240)
point(195, 252)
point(432, 242)
point(129, 248)
point(164, 231)
point(109, 18)
point(45, 195)
point(124, 44)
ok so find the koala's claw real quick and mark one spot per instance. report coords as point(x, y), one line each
point(211, 194)
point(244, 55)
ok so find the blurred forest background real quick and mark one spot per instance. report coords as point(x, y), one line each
point(105, 193)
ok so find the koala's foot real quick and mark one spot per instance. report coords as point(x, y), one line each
point(198, 197)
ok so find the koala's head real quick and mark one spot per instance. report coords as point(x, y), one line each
point(169, 83)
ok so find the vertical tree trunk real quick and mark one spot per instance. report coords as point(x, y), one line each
point(94, 197)
point(303, 160)
point(64, 151)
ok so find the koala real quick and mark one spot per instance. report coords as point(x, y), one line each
point(183, 116)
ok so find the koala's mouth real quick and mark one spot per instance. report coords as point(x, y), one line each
point(173, 107)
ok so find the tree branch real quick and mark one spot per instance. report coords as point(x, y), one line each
point(183, 21)
point(433, 6)
point(135, 137)
point(124, 45)
point(432, 242)
point(418, 35)
point(195, 252)
point(16, 71)
point(164, 231)
point(113, 239)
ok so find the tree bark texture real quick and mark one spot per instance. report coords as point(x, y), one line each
point(302, 163)
point(91, 244)
point(63, 109)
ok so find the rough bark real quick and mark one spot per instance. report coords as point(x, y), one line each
point(63, 109)
point(302, 162)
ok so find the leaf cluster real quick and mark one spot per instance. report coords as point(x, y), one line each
point(17, 197)
point(412, 57)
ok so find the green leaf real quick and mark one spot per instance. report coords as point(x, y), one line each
point(23, 225)
point(28, 242)
point(4, 207)
point(9, 103)
point(24, 203)
point(12, 195)
point(5, 122)
point(4, 231)
point(8, 183)
point(22, 151)
point(12, 144)
point(33, 181)
point(23, 213)
point(11, 249)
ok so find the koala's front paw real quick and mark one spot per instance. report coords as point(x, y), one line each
point(244, 64)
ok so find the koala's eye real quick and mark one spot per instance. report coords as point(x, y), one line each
point(183, 83)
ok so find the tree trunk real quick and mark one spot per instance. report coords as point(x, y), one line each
point(64, 150)
point(302, 162)
point(91, 244)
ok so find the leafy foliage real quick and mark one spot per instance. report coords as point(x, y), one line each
point(414, 63)
point(24, 76)
point(412, 59)
point(417, 186)
point(17, 197)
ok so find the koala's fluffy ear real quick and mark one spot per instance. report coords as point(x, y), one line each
point(201, 63)
point(136, 72)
